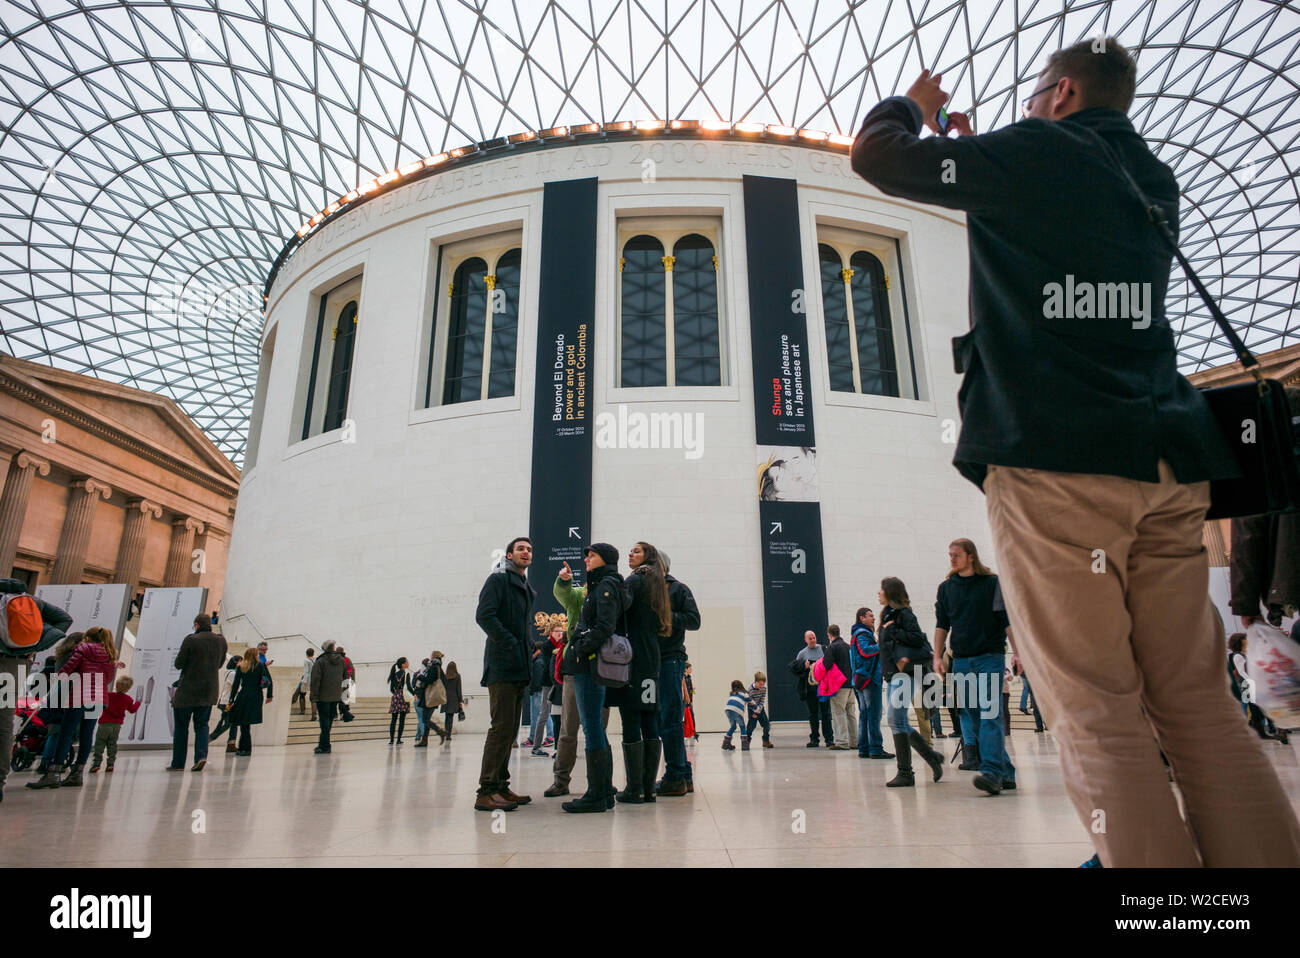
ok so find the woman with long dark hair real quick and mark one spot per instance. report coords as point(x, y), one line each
point(649, 620)
point(399, 683)
point(251, 677)
point(454, 707)
point(905, 655)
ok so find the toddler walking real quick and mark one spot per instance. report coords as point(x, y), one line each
point(737, 712)
point(116, 704)
point(758, 713)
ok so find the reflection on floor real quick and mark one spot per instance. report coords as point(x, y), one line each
point(368, 804)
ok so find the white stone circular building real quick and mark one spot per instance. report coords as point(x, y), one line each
point(720, 341)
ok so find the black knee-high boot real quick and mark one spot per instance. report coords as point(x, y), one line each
point(902, 755)
point(932, 758)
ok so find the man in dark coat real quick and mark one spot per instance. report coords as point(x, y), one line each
point(672, 673)
point(327, 677)
point(55, 626)
point(1265, 558)
point(1094, 454)
point(201, 655)
point(505, 613)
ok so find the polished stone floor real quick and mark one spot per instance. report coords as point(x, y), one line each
point(368, 804)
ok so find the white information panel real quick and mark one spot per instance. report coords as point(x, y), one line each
point(166, 617)
point(89, 606)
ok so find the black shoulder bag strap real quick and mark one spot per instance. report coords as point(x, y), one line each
point(1157, 217)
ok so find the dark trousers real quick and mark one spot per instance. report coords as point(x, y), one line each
point(450, 718)
point(325, 712)
point(756, 719)
point(245, 738)
point(199, 715)
point(672, 713)
point(818, 709)
point(396, 722)
point(638, 725)
point(223, 723)
point(505, 706)
point(75, 725)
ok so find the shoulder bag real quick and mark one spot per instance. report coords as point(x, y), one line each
point(1254, 417)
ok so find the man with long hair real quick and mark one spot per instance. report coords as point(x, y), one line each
point(1095, 455)
point(970, 607)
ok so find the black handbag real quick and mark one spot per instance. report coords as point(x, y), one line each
point(1254, 417)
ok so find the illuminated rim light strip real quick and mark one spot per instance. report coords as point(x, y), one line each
point(837, 141)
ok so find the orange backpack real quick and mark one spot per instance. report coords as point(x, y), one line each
point(20, 623)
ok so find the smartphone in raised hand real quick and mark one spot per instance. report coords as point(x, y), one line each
point(942, 122)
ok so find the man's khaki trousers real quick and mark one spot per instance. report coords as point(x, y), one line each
point(1106, 585)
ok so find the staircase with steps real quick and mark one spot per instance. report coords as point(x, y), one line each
point(371, 724)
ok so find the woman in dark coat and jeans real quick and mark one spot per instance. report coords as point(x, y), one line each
point(454, 707)
point(246, 698)
point(602, 613)
point(649, 617)
point(904, 651)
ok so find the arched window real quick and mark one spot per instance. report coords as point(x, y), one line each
point(325, 399)
point(644, 336)
point(465, 334)
point(697, 347)
point(860, 354)
point(336, 401)
point(839, 348)
point(504, 316)
point(877, 366)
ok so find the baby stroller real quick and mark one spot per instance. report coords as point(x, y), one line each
point(32, 736)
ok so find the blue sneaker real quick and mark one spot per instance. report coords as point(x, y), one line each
point(1093, 862)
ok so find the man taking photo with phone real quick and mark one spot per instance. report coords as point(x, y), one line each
point(1094, 454)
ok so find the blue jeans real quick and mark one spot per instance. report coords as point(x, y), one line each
point(75, 724)
point(199, 715)
point(870, 740)
point(590, 696)
point(1024, 694)
point(671, 714)
point(899, 702)
point(737, 720)
point(759, 718)
point(420, 713)
point(981, 720)
point(540, 704)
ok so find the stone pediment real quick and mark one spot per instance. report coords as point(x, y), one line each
point(154, 425)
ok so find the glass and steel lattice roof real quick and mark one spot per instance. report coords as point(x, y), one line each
point(155, 157)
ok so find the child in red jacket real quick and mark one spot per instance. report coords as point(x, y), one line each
point(116, 704)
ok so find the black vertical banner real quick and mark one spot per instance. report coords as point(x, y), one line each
point(559, 521)
point(794, 570)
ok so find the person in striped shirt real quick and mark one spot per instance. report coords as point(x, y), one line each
point(737, 712)
point(758, 713)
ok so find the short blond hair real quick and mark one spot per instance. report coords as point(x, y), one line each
point(123, 683)
point(760, 677)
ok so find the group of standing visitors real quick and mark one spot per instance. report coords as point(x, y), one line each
point(643, 619)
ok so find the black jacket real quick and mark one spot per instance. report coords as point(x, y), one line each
point(601, 616)
point(686, 618)
point(1265, 563)
point(902, 640)
point(838, 653)
point(1045, 206)
point(56, 621)
point(246, 695)
point(505, 613)
point(452, 705)
point(641, 693)
point(538, 677)
point(327, 677)
point(199, 660)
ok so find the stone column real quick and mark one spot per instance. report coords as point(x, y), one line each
point(180, 555)
point(70, 562)
point(130, 554)
point(13, 504)
point(1212, 537)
